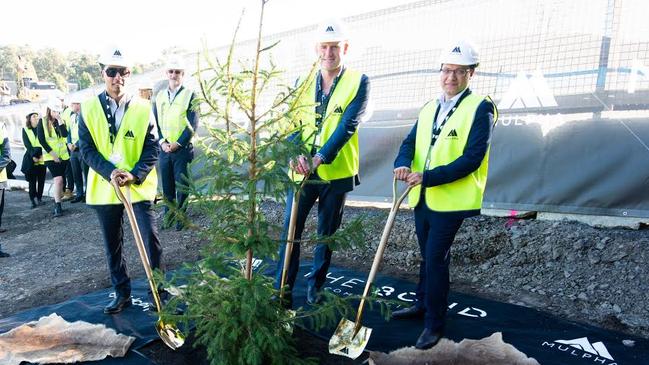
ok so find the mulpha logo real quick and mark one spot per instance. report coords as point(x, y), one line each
point(329, 29)
point(129, 135)
point(338, 110)
point(456, 50)
point(452, 134)
point(582, 348)
point(117, 53)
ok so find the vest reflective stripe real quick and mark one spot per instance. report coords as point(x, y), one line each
point(465, 193)
point(3, 135)
point(57, 144)
point(33, 139)
point(124, 153)
point(346, 162)
point(172, 117)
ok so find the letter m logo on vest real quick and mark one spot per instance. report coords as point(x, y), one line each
point(452, 133)
point(129, 135)
point(456, 50)
point(338, 109)
point(329, 29)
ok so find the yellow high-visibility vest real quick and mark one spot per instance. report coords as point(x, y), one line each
point(465, 193)
point(124, 152)
point(33, 139)
point(57, 144)
point(172, 116)
point(346, 162)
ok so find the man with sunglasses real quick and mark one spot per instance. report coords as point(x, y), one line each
point(177, 121)
point(118, 140)
point(445, 158)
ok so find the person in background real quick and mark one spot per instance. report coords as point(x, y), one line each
point(51, 135)
point(177, 122)
point(78, 167)
point(445, 158)
point(5, 157)
point(68, 116)
point(33, 166)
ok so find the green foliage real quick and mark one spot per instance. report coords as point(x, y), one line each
point(85, 80)
point(245, 157)
point(50, 65)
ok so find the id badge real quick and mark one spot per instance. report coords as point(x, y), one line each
point(116, 158)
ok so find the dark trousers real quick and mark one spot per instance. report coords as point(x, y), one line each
point(330, 213)
point(36, 180)
point(110, 220)
point(68, 178)
point(435, 233)
point(2, 204)
point(79, 172)
point(173, 172)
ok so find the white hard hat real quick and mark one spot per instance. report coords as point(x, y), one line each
point(74, 99)
point(460, 53)
point(331, 30)
point(55, 105)
point(114, 56)
point(175, 63)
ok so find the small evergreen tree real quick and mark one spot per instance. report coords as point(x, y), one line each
point(244, 162)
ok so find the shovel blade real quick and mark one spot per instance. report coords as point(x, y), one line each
point(346, 342)
point(170, 335)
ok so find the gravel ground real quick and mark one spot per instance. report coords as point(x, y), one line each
point(595, 276)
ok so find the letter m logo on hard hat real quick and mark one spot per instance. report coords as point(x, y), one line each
point(329, 29)
point(527, 92)
point(117, 53)
point(456, 50)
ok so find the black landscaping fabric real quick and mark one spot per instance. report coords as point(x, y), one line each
point(550, 340)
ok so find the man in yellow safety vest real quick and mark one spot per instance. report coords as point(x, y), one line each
point(118, 140)
point(341, 95)
point(445, 158)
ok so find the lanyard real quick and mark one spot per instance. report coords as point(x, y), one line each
point(438, 130)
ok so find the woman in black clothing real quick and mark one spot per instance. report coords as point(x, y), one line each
point(33, 166)
point(52, 135)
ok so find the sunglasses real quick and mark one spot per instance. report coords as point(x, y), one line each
point(113, 71)
point(177, 72)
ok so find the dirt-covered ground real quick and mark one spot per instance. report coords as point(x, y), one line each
point(596, 276)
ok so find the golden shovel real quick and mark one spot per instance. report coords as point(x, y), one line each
point(290, 236)
point(168, 332)
point(350, 338)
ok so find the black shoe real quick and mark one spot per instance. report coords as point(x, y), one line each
point(34, 205)
point(41, 202)
point(407, 313)
point(3, 230)
point(58, 211)
point(428, 339)
point(313, 296)
point(118, 304)
point(4, 254)
point(78, 199)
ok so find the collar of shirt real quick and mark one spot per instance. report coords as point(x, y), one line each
point(445, 106)
point(172, 93)
point(118, 109)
